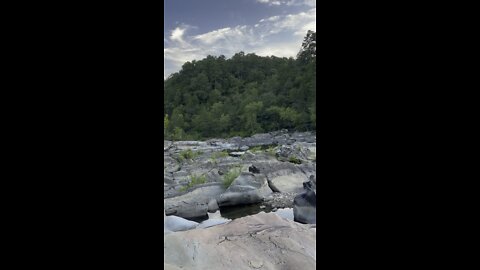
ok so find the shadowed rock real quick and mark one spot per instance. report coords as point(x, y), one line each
point(253, 169)
point(305, 207)
point(194, 204)
point(245, 189)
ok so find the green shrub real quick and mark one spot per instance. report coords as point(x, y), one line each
point(230, 176)
point(217, 155)
point(295, 160)
point(222, 154)
point(262, 148)
point(189, 154)
point(195, 180)
point(271, 151)
point(256, 149)
point(213, 160)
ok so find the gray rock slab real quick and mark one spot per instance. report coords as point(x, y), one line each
point(261, 241)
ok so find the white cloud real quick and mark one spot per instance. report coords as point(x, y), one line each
point(310, 3)
point(280, 35)
point(271, 19)
point(271, 2)
point(287, 49)
point(216, 35)
point(301, 22)
point(177, 34)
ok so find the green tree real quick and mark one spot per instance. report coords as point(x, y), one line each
point(251, 111)
point(165, 126)
point(308, 52)
point(243, 95)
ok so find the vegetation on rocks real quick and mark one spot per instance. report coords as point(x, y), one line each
point(221, 154)
point(263, 148)
point(230, 176)
point(188, 154)
point(218, 155)
point(266, 175)
point(195, 180)
point(295, 160)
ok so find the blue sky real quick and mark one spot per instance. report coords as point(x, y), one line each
point(197, 28)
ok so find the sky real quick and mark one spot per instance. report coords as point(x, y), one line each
point(197, 28)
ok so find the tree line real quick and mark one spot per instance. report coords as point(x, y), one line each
point(242, 96)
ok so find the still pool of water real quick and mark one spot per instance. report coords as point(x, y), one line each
point(242, 211)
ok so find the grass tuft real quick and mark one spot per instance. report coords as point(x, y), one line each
point(195, 180)
point(189, 154)
point(295, 160)
point(230, 176)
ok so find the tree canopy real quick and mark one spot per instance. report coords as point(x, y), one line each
point(243, 95)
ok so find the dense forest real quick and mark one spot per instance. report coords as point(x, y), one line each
point(243, 95)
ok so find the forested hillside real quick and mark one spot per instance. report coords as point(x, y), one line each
point(243, 95)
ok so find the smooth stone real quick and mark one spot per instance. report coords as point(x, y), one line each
point(245, 189)
point(305, 207)
point(212, 206)
point(175, 224)
point(292, 183)
point(212, 222)
point(193, 204)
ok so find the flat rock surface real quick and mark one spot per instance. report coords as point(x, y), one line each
point(261, 241)
point(194, 203)
point(289, 183)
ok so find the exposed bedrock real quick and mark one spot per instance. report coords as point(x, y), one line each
point(270, 168)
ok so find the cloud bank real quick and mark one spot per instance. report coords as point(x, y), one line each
point(280, 35)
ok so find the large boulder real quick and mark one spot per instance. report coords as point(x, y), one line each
point(262, 241)
point(288, 182)
point(283, 177)
point(305, 207)
point(194, 204)
point(175, 224)
point(311, 184)
point(248, 188)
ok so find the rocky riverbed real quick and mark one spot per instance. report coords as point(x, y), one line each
point(217, 192)
point(267, 169)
